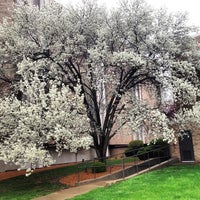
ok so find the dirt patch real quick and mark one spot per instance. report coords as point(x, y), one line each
point(72, 179)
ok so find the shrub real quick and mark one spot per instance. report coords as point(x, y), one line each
point(135, 144)
point(98, 167)
point(130, 152)
point(154, 149)
point(144, 153)
point(158, 150)
point(133, 147)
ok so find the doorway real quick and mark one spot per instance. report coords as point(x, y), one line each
point(186, 147)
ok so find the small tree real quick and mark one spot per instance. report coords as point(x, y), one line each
point(47, 114)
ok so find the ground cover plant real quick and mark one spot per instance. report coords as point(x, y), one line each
point(174, 182)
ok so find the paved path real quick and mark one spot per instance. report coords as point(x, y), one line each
point(74, 191)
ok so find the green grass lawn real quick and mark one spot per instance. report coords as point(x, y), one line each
point(39, 184)
point(119, 161)
point(175, 182)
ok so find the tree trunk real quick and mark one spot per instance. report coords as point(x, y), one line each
point(101, 153)
point(101, 143)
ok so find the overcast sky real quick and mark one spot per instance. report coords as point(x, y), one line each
point(190, 6)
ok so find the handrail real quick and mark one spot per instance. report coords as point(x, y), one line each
point(89, 164)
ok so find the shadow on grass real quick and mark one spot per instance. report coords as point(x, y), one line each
point(37, 184)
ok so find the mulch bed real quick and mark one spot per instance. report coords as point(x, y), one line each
point(72, 179)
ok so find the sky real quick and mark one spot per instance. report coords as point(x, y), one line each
point(190, 6)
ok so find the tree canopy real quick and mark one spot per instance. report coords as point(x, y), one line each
point(106, 54)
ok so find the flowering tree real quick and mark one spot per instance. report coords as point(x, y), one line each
point(47, 114)
point(108, 54)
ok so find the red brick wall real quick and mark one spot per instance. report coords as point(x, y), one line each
point(196, 144)
point(175, 151)
point(117, 152)
point(4, 6)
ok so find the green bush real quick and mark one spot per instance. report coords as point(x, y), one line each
point(144, 153)
point(130, 152)
point(133, 147)
point(135, 144)
point(98, 167)
point(156, 148)
point(161, 148)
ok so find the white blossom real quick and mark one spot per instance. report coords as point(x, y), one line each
point(55, 117)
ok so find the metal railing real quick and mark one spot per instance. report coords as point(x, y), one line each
point(134, 163)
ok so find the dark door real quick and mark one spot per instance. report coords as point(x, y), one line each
point(186, 147)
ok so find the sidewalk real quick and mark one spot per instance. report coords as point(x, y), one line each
point(74, 191)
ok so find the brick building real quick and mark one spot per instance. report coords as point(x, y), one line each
point(8, 70)
point(4, 8)
point(5, 5)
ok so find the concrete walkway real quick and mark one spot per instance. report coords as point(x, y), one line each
point(74, 191)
